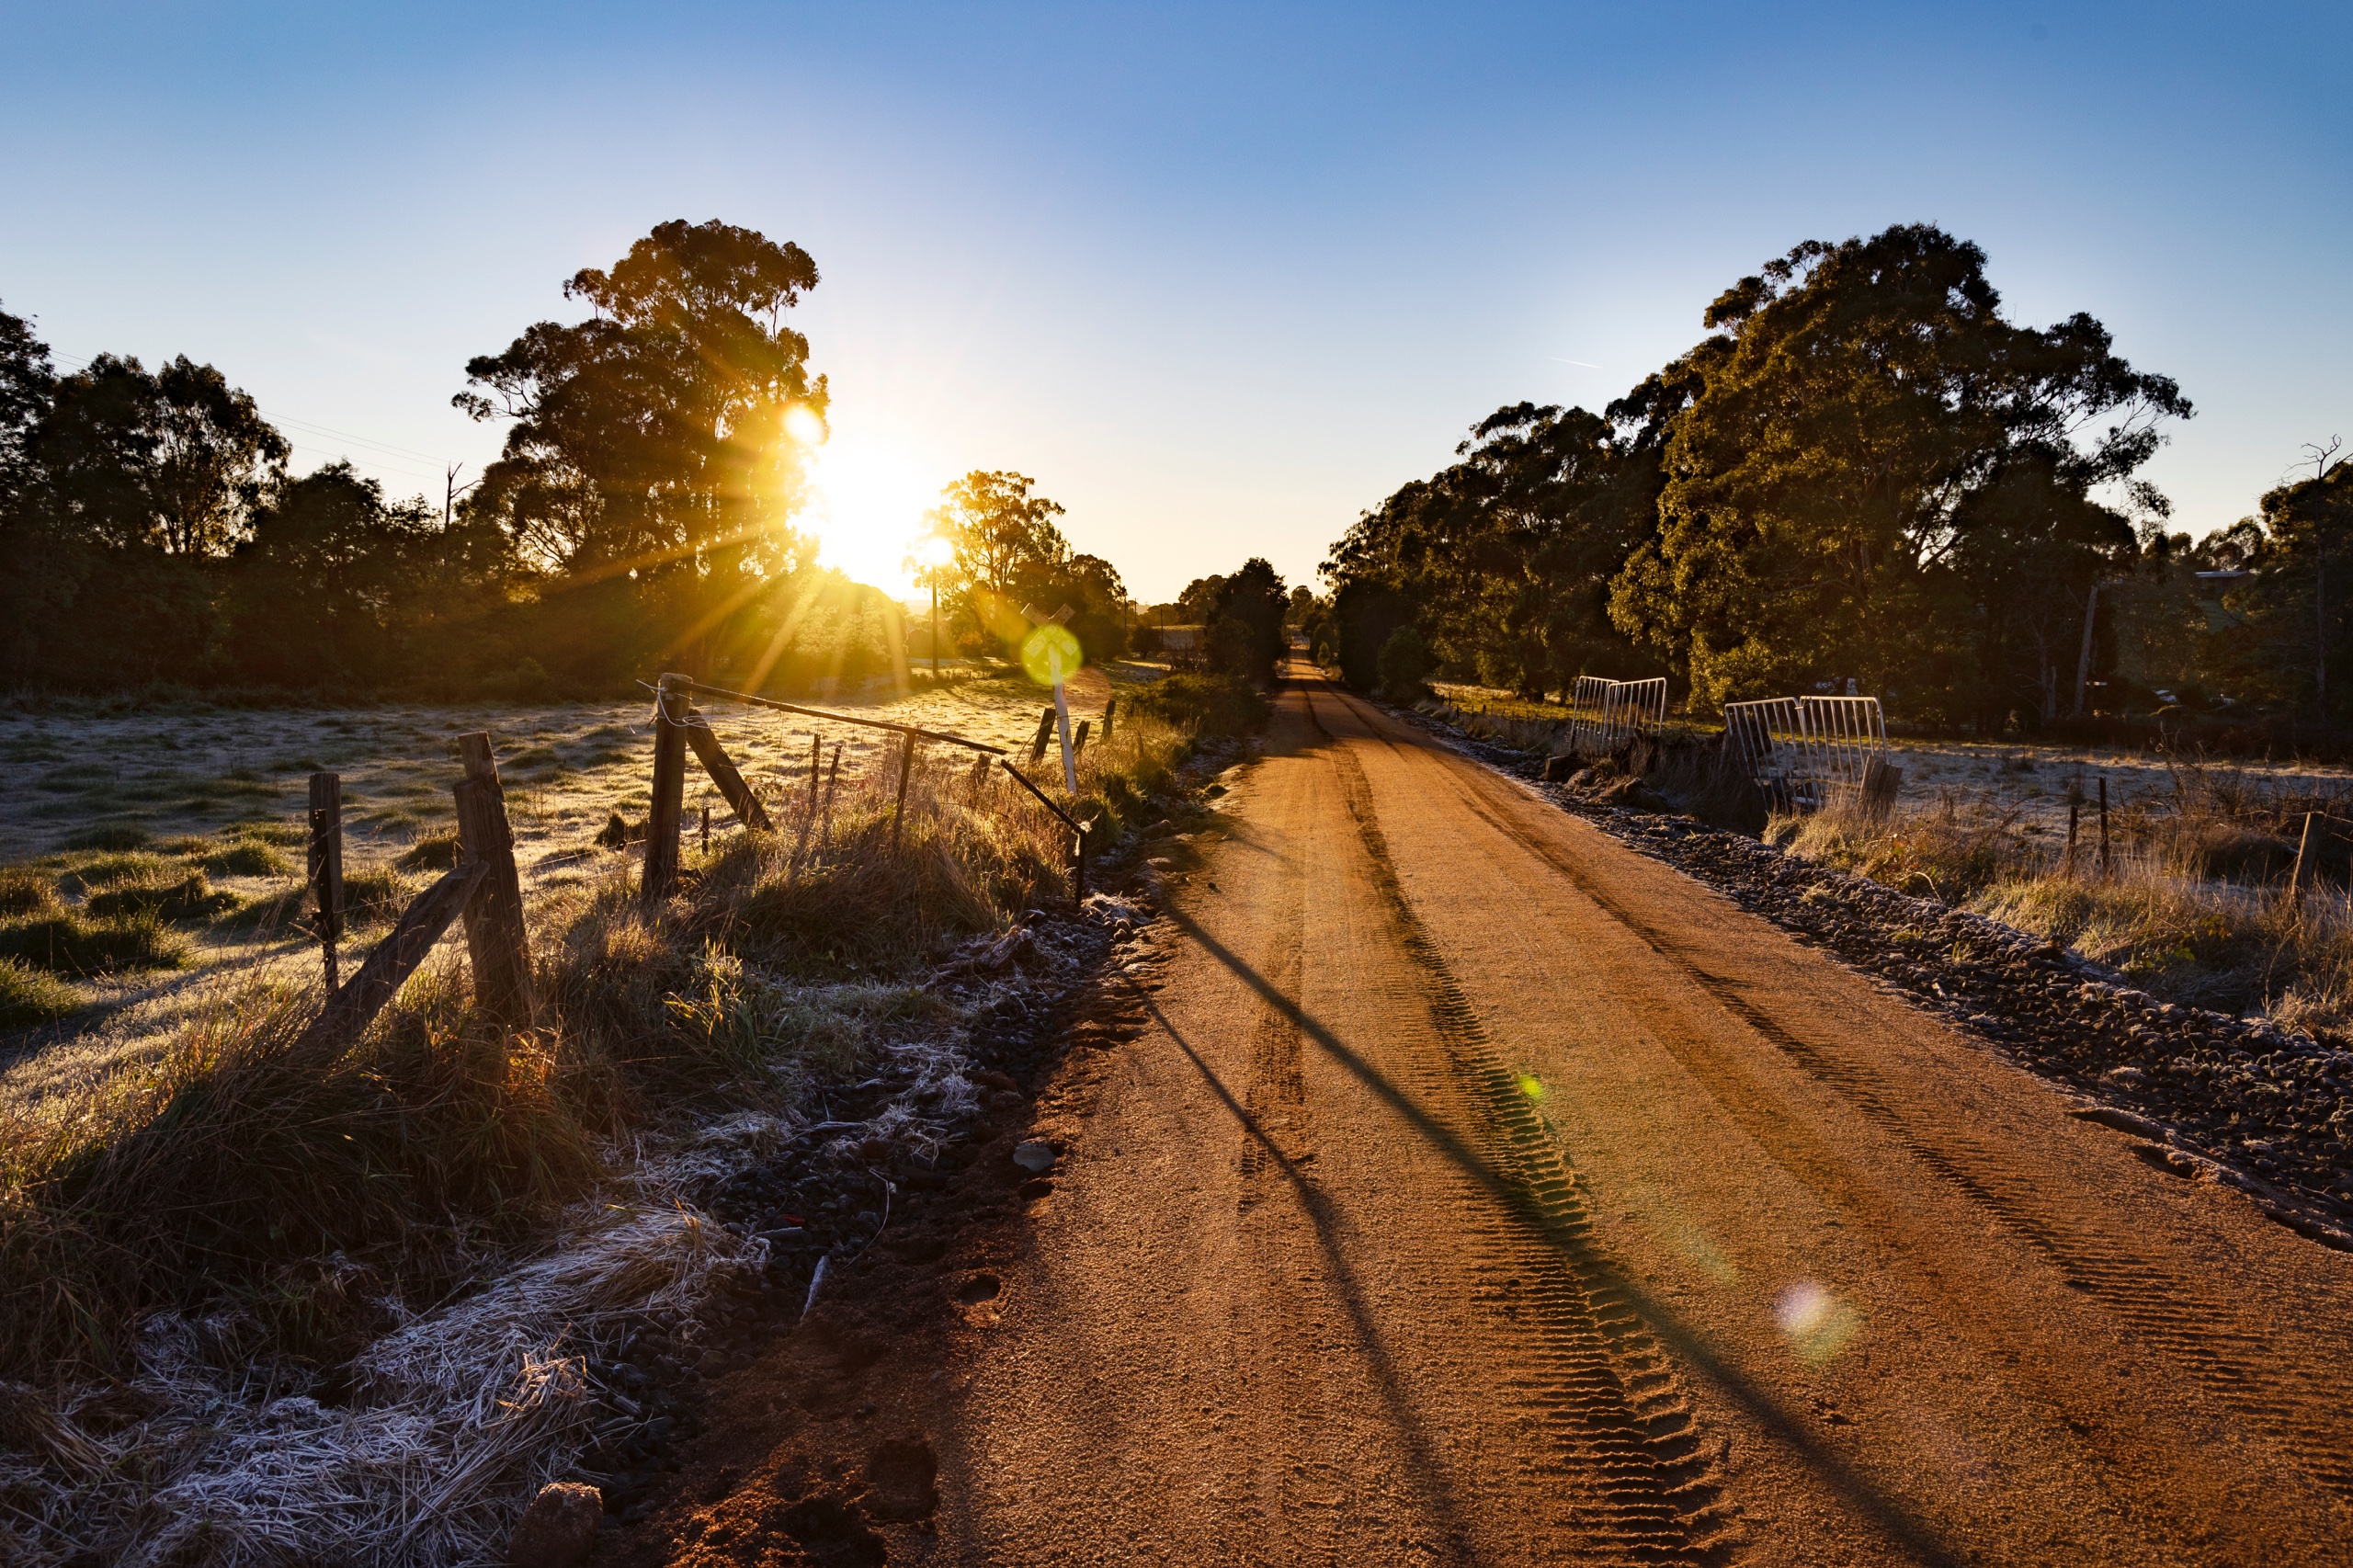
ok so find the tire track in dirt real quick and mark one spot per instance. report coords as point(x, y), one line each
point(2299, 1422)
point(1602, 1382)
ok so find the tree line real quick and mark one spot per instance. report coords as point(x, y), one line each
point(643, 513)
point(1863, 471)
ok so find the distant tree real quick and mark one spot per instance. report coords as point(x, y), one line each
point(27, 388)
point(1245, 622)
point(1198, 602)
point(176, 461)
point(658, 448)
point(998, 529)
point(1506, 556)
point(1869, 453)
point(337, 585)
point(1405, 663)
point(2293, 634)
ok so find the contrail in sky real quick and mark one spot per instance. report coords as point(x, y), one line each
point(1558, 360)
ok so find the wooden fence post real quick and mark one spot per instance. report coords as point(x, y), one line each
point(497, 939)
point(1078, 740)
point(326, 865)
point(1045, 734)
point(899, 807)
point(2075, 819)
point(2103, 824)
point(1108, 709)
point(669, 794)
point(2304, 848)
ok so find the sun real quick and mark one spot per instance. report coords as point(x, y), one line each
point(866, 503)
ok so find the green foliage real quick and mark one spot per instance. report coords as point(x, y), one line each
point(1404, 664)
point(1005, 554)
point(73, 943)
point(1245, 622)
point(109, 835)
point(1874, 474)
point(191, 897)
point(1207, 704)
point(26, 890)
point(247, 859)
point(29, 996)
point(1864, 471)
point(1506, 557)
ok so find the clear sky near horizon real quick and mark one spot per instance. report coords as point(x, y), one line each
point(1219, 277)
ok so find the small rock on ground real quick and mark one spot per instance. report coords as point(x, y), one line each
point(559, 1528)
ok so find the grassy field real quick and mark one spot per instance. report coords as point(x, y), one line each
point(146, 858)
point(207, 1217)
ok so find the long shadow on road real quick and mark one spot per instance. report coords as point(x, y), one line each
point(1887, 1513)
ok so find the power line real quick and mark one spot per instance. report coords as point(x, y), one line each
point(386, 448)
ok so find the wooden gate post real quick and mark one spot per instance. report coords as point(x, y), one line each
point(326, 865)
point(497, 939)
point(669, 793)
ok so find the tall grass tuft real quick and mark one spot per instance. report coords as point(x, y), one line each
point(2193, 905)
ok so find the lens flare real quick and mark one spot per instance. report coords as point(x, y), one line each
point(1050, 654)
point(1530, 1085)
point(1817, 1323)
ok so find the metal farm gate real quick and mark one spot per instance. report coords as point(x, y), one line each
point(1805, 753)
point(1604, 714)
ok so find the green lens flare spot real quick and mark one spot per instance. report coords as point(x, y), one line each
point(1530, 1085)
point(1050, 654)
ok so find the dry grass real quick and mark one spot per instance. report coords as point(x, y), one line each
point(2193, 905)
point(239, 1233)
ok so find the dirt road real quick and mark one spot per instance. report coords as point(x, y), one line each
point(1478, 1191)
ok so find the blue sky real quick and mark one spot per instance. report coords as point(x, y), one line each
point(1219, 277)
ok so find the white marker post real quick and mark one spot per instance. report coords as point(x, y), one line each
point(1051, 646)
point(1061, 719)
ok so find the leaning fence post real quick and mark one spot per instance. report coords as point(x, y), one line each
point(1045, 734)
point(669, 793)
point(326, 865)
point(497, 939)
point(1109, 708)
point(2103, 824)
point(899, 807)
point(1078, 740)
point(1078, 871)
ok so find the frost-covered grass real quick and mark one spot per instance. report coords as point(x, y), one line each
point(262, 1302)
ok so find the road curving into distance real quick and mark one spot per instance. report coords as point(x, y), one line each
point(1481, 1191)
